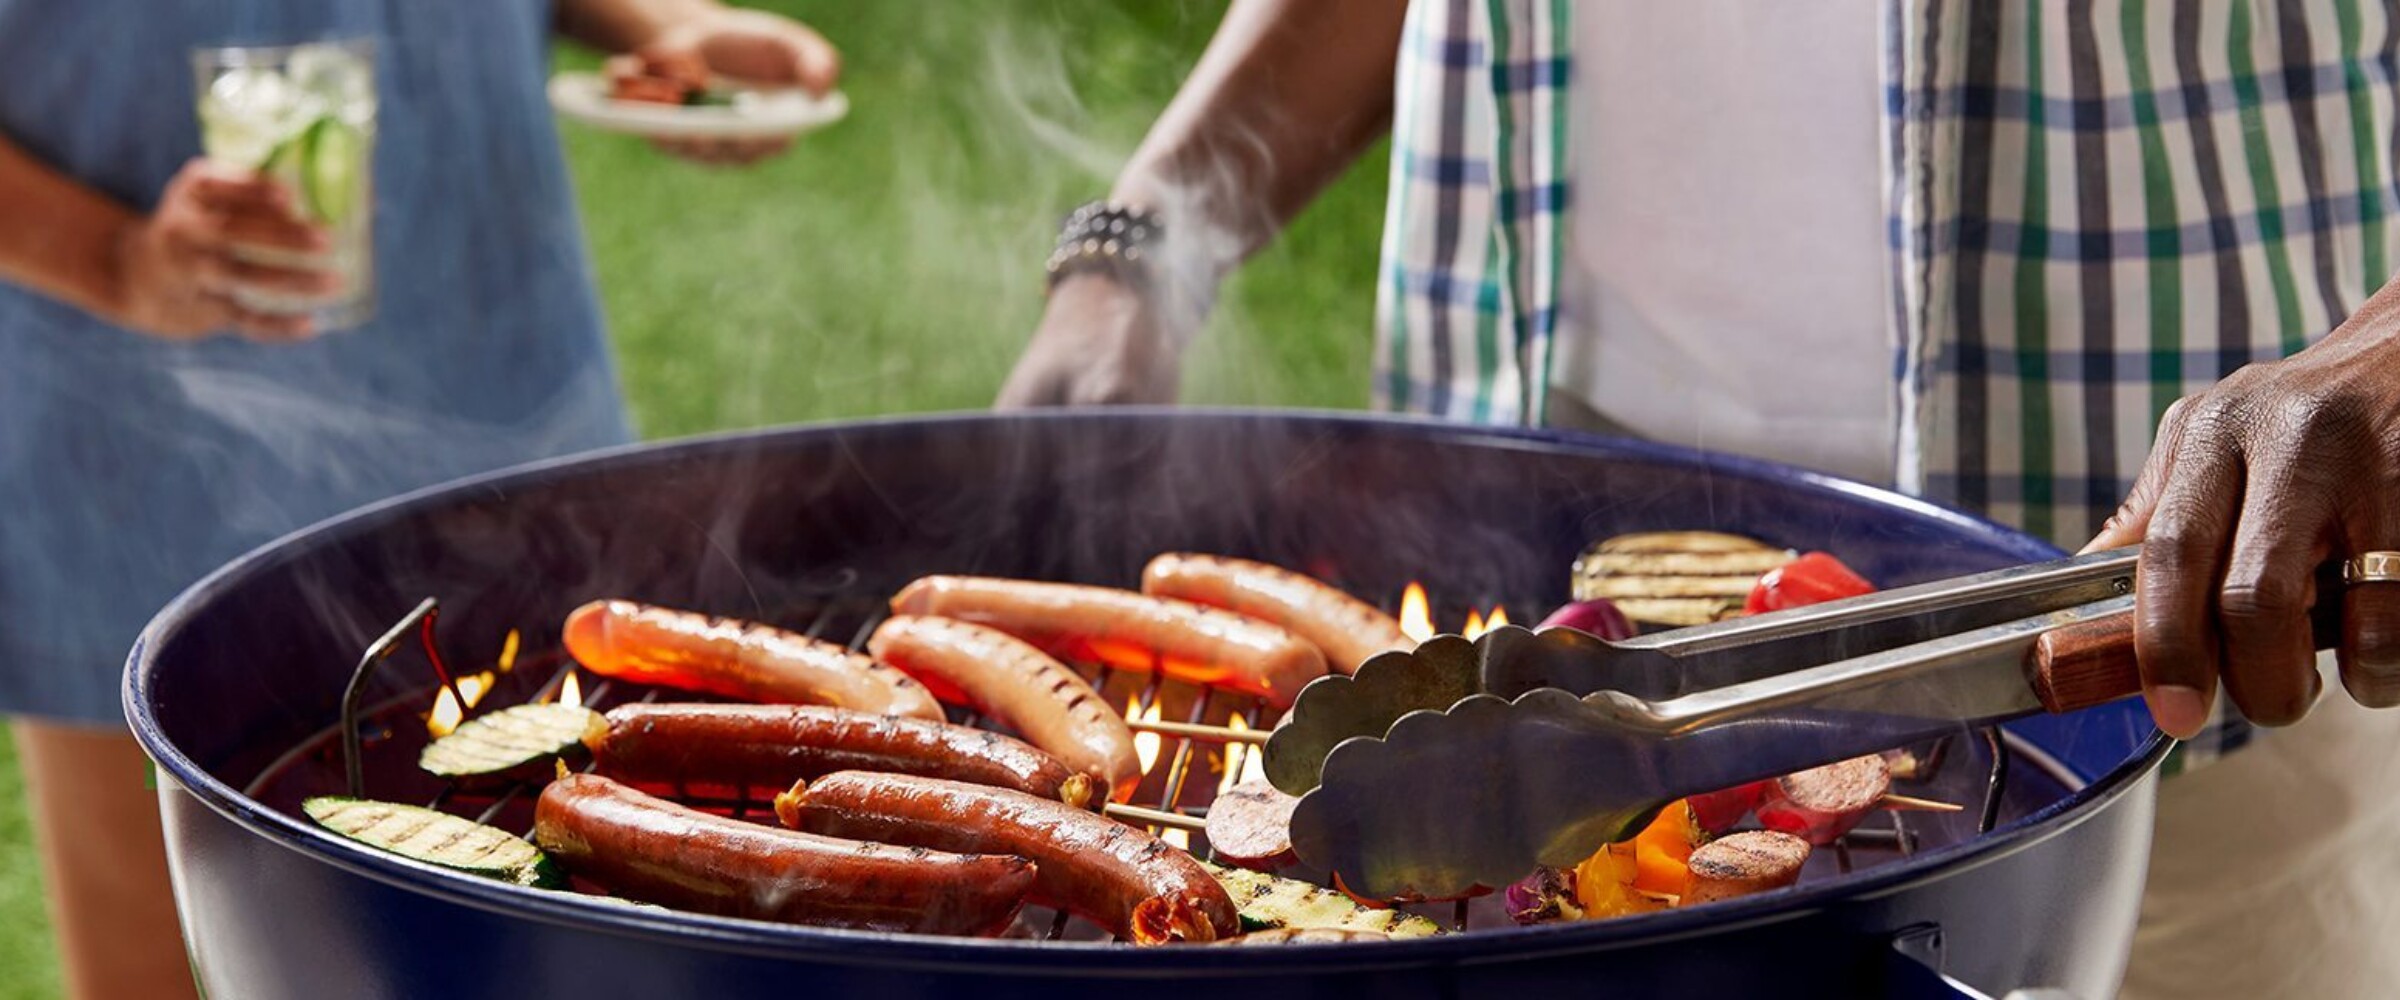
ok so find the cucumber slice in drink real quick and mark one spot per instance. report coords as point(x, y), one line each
point(333, 172)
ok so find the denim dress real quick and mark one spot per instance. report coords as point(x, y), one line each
point(131, 466)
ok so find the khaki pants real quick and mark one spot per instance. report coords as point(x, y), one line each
point(95, 819)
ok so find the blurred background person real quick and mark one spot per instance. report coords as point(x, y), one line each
point(152, 427)
point(1974, 251)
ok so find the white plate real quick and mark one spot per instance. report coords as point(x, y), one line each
point(756, 114)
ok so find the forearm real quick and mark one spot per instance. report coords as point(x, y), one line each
point(1289, 93)
point(62, 236)
point(624, 25)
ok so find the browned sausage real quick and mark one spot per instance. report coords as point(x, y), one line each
point(1250, 825)
point(653, 850)
point(1140, 887)
point(759, 750)
point(737, 659)
point(1018, 686)
point(1128, 631)
point(1822, 803)
point(1743, 863)
point(1346, 629)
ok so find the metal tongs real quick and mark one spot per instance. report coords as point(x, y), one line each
point(1462, 765)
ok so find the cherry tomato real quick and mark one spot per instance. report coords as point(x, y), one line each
point(1813, 578)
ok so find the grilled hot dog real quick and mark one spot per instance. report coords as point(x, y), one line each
point(759, 750)
point(1347, 630)
point(753, 662)
point(653, 850)
point(1019, 686)
point(1138, 886)
point(1128, 631)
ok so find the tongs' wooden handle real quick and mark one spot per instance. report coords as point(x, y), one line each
point(2092, 662)
point(2086, 664)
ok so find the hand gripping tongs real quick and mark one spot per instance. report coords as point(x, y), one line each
point(1464, 764)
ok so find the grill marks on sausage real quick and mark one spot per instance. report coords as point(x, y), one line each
point(649, 849)
point(1744, 863)
point(1020, 687)
point(737, 659)
point(1127, 631)
point(759, 750)
point(1139, 887)
point(1346, 630)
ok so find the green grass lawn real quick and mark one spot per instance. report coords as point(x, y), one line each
point(892, 263)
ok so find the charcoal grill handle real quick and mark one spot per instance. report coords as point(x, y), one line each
point(1914, 972)
point(2092, 662)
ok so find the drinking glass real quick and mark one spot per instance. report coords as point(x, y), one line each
point(303, 114)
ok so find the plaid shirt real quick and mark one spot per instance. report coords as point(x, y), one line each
point(2094, 207)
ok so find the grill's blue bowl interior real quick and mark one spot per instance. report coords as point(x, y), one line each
point(251, 662)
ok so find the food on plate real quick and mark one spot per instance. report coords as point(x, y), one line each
point(759, 750)
point(1141, 888)
point(1303, 935)
point(1250, 824)
point(436, 838)
point(1268, 902)
point(1822, 803)
point(1744, 863)
point(1675, 577)
point(737, 659)
point(510, 740)
point(660, 77)
point(1345, 629)
point(649, 849)
point(1019, 687)
point(1598, 616)
point(1813, 578)
point(1128, 631)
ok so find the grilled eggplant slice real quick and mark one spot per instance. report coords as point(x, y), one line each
point(510, 740)
point(1268, 903)
point(437, 838)
point(1675, 577)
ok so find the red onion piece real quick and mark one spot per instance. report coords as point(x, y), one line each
point(1598, 616)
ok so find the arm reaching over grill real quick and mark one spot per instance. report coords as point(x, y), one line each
point(653, 850)
point(1136, 885)
point(737, 659)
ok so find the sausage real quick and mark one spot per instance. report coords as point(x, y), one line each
point(1743, 863)
point(759, 750)
point(1128, 631)
point(653, 850)
point(737, 659)
point(1347, 630)
point(1018, 686)
point(1822, 803)
point(1140, 887)
point(1250, 825)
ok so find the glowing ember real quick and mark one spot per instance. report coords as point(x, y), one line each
point(446, 711)
point(1145, 743)
point(1416, 620)
point(570, 691)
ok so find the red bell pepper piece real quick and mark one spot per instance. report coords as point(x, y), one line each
point(1813, 578)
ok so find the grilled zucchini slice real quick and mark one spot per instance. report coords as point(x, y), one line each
point(437, 838)
point(1266, 902)
point(510, 739)
point(1675, 577)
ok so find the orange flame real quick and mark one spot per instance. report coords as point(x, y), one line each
point(570, 691)
point(1478, 625)
point(1145, 744)
point(1177, 837)
point(1474, 625)
point(1416, 620)
point(1242, 761)
point(446, 711)
point(508, 652)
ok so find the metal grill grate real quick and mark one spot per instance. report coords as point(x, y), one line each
point(1168, 797)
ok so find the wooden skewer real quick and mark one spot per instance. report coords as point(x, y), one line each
point(1154, 817)
point(1911, 803)
point(1214, 734)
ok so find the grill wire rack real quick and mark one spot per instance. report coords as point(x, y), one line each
point(1191, 763)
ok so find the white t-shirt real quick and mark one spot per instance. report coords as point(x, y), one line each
point(1707, 301)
